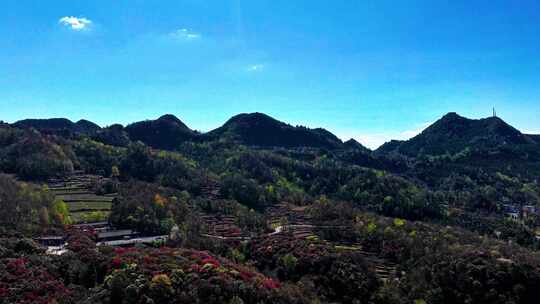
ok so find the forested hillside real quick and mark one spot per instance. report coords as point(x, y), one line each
point(259, 211)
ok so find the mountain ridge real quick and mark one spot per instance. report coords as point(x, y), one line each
point(452, 133)
point(258, 129)
point(354, 144)
point(58, 124)
point(165, 132)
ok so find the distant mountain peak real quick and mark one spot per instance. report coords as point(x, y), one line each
point(252, 117)
point(116, 126)
point(87, 126)
point(494, 121)
point(166, 132)
point(58, 124)
point(452, 116)
point(170, 118)
point(453, 133)
point(259, 129)
point(85, 121)
point(44, 121)
point(354, 144)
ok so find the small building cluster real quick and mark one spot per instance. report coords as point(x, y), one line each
point(519, 212)
point(105, 235)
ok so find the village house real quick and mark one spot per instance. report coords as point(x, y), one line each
point(529, 210)
point(116, 235)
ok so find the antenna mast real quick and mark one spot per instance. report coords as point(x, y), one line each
point(494, 112)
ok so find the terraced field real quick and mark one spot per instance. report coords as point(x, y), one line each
point(89, 217)
point(89, 206)
point(293, 219)
point(83, 204)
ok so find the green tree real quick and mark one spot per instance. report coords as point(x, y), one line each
point(61, 212)
point(115, 172)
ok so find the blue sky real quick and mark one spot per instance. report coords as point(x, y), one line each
point(372, 70)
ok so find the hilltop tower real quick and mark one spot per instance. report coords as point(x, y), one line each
point(494, 112)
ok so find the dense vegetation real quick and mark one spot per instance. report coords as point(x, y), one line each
point(258, 129)
point(28, 209)
point(431, 212)
point(166, 132)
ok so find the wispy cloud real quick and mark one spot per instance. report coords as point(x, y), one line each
point(184, 35)
point(255, 68)
point(75, 23)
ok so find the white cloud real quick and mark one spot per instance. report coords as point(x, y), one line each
point(185, 34)
point(74, 23)
point(375, 140)
point(255, 68)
